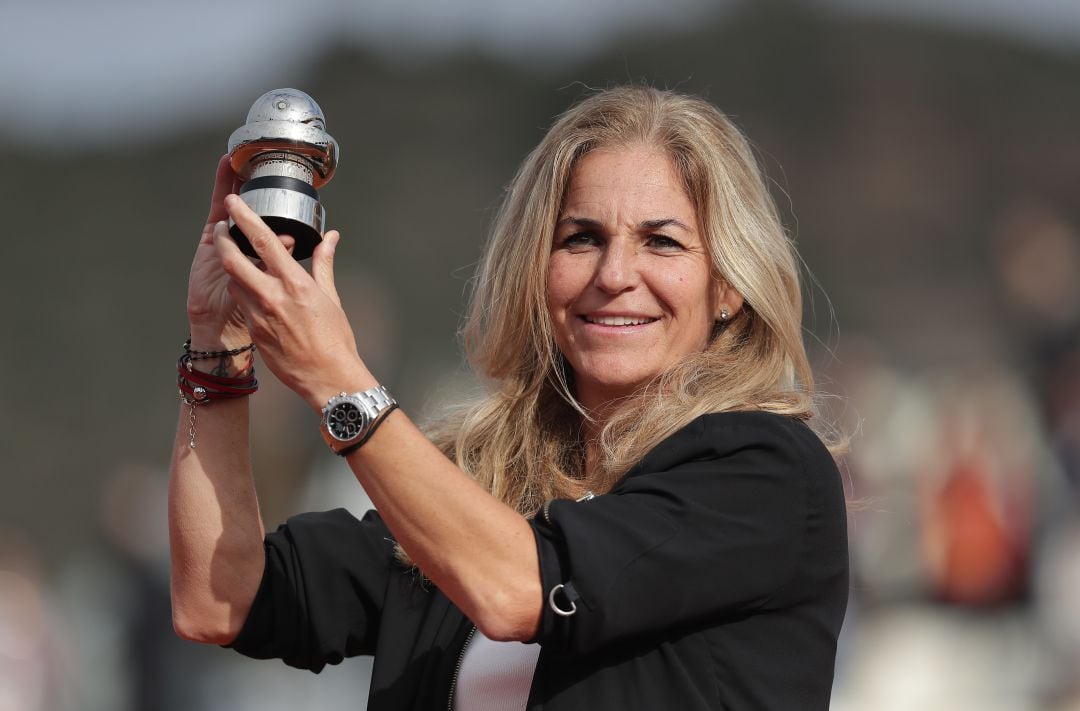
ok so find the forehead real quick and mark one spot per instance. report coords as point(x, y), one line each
point(628, 181)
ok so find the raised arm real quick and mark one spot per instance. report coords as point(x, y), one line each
point(480, 552)
point(215, 531)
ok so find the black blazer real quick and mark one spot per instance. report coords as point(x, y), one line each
point(714, 575)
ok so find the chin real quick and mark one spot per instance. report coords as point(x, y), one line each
point(609, 389)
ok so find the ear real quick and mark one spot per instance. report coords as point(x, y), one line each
point(725, 297)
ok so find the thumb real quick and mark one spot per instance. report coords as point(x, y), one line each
point(322, 264)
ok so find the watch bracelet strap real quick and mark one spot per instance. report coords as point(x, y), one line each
point(346, 451)
point(379, 396)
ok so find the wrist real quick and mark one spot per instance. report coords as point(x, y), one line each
point(354, 380)
point(221, 361)
point(210, 337)
point(199, 388)
point(236, 366)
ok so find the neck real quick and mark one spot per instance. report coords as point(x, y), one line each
point(592, 426)
point(599, 405)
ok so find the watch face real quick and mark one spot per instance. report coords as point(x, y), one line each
point(345, 420)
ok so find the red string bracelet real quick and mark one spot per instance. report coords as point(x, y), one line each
point(199, 388)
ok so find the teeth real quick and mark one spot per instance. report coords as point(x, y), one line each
point(618, 320)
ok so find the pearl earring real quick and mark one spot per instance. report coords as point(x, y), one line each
point(724, 314)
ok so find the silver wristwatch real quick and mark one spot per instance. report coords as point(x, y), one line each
point(349, 420)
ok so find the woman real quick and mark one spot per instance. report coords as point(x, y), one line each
point(639, 496)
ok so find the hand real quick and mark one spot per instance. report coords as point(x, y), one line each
point(215, 319)
point(295, 317)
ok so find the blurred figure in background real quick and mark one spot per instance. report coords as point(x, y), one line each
point(963, 494)
point(34, 668)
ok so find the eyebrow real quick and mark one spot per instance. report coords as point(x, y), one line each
point(664, 222)
point(579, 221)
point(646, 225)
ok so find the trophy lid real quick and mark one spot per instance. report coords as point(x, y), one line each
point(285, 120)
point(287, 105)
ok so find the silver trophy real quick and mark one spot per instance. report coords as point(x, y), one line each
point(284, 155)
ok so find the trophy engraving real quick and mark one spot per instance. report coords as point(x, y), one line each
point(284, 155)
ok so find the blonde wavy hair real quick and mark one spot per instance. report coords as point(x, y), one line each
point(524, 440)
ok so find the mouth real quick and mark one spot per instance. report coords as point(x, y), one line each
point(618, 320)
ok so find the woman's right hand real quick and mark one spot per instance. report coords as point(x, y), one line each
point(215, 320)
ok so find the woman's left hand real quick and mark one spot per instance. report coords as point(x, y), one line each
point(295, 317)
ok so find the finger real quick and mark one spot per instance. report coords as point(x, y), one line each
point(225, 182)
point(263, 239)
point(245, 302)
point(322, 264)
point(288, 242)
point(253, 314)
point(237, 264)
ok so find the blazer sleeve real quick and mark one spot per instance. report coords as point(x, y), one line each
point(322, 590)
point(710, 525)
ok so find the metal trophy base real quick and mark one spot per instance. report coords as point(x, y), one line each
point(289, 207)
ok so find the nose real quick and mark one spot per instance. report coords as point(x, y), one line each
point(616, 271)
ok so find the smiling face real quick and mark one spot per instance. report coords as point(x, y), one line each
point(629, 286)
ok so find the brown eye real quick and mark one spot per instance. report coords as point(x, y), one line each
point(581, 239)
point(663, 242)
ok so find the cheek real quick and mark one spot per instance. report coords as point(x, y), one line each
point(684, 290)
point(556, 301)
point(562, 283)
point(558, 310)
point(553, 290)
point(688, 295)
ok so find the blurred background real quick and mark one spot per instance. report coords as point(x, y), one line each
point(926, 156)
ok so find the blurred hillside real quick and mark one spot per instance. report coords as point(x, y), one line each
point(917, 162)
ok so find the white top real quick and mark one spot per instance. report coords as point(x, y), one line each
point(495, 676)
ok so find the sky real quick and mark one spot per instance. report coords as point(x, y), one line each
point(76, 73)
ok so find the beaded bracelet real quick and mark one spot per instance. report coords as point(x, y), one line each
point(207, 355)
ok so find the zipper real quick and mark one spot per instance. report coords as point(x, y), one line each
point(589, 496)
point(457, 669)
point(546, 511)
